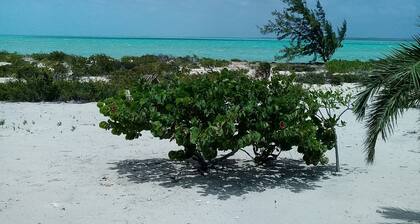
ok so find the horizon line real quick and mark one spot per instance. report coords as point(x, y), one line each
point(190, 37)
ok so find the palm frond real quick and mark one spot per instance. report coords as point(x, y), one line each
point(383, 114)
point(393, 87)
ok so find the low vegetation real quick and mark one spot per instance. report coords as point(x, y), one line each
point(13, 63)
point(39, 84)
point(294, 67)
point(263, 70)
point(344, 66)
point(57, 76)
point(213, 117)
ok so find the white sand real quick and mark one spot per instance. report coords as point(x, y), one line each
point(2, 63)
point(233, 66)
point(93, 79)
point(51, 174)
point(7, 79)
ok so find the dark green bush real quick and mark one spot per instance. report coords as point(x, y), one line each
point(214, 116)
point(322, 78)
point(125, 78)
point(294, 67)
point(57, 56)
point(263, 70)
point(16, 61)
point(79, 66)
point(339, 79)
point(38, 87)
point(154, 65)
point(129, 62)
point(311, 78)
point(46, 89)
point(38, 84)
point(344, 66)
point(213, 63)
point(102, 65)
point(10, 57)
point(84, 91)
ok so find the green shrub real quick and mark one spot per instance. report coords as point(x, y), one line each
point(344, 66)
point(39, 84)
point(79, 66)
point(100, 64)
point(36, 90)
point(125, 78)
point(214, 116)
point(16, 61)
point(84, 91)
point(263, 70)
point(294, 67)
point(39, 87)
point(13, 58)
point(57, 56)
point(213, 63)
point(10, 57)
point(59, 71)
point(311, 78)
point(323, 78)
point(129, 62)
point(154, 65)
point(339, 79)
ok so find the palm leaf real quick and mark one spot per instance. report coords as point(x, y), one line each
point(392, 88)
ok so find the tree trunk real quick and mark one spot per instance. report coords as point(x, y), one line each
point(203, 165)
point(337, 159)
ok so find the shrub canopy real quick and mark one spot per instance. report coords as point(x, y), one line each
point(214, 116)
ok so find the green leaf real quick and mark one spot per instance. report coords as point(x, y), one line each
point(194, 134)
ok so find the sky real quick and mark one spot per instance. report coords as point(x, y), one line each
point(195, 18)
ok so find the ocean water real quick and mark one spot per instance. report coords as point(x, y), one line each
point(244, 49)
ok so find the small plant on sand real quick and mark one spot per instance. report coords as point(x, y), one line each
point(309, 31)
point(2, 122)
point(217, 115)
point(333, 105)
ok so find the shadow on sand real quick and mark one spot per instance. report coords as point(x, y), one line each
point(401, 215)
point(236, 178)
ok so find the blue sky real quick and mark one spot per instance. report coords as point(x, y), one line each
point(194, 18)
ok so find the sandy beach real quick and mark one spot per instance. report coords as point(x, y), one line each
point(243, 85)
point(58, 166)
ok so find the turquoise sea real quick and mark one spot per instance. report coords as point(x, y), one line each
point(220, 48)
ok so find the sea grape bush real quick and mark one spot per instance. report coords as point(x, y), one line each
point(214, 116)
